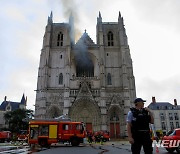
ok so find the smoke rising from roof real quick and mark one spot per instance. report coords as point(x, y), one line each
point(84, 63)
point(69, 7)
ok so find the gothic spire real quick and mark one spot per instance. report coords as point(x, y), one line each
point(50, 18)
point(100, 15)
point(51, 15)
point(121, 20)
point(71, 23)
point(71, 19)
point(99, 19)
point(119, 15)
point(23, 100)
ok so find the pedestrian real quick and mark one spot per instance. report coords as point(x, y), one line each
point(138, 127)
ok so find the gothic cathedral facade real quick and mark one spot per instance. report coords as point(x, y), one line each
point(89, 82)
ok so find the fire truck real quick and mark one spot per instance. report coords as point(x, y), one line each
point(22, 135)
point(48, 131)
point(5, 136)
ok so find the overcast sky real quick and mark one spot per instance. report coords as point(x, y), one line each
point(152, 27)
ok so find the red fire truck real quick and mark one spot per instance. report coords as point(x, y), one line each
point(5, 136)
point(46, 132)
point(22, 135)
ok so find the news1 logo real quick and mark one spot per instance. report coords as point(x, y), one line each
point(166, 143)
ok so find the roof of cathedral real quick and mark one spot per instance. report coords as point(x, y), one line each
point(85, 40)
point(14, 105)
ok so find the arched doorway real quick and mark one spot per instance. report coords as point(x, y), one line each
point(87, 111)
point(114, 115)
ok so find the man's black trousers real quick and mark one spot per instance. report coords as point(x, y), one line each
point(142, 139)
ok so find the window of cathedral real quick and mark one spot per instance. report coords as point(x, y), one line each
point(114, 116)
point(86, 70)
point(109, 81)
point(110, 39)
point(60, 39)
point(61, 56)
point(60, 78)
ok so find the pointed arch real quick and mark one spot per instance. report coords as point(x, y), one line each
point(114, 113)
point(87, 111)
point(60, 39)
point(60, 78)
point(109, 81)
point(115, 120)
point(110, 38)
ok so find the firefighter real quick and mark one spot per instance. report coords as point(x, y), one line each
point(90, 137)
point(138, 122)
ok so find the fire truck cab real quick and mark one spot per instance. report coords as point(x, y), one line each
point(46, 132)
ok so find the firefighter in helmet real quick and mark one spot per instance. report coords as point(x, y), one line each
point(138, 122)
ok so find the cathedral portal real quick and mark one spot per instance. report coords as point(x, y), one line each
point(87, 111)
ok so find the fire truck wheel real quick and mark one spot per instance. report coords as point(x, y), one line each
point(75, 141)
point(43, 143)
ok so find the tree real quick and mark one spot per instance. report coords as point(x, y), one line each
point(18, 119)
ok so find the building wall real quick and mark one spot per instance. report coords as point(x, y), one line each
point(158, 120)
point(2, 121)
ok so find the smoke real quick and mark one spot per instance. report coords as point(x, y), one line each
point(84, 63)
point(70, 7)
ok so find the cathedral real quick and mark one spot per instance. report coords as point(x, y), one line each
point(87, 81)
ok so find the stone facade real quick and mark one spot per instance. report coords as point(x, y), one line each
point(166, 115)
point(90, 82)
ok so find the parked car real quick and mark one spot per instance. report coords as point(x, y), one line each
point(171, 141)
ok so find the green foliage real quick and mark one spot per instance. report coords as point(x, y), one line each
point(18, 119)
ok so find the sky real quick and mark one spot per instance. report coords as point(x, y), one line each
point(152, 27)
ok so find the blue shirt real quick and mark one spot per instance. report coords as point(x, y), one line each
point(129, 117)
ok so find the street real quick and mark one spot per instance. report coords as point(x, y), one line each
point(111, 147)
point(117, 147)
